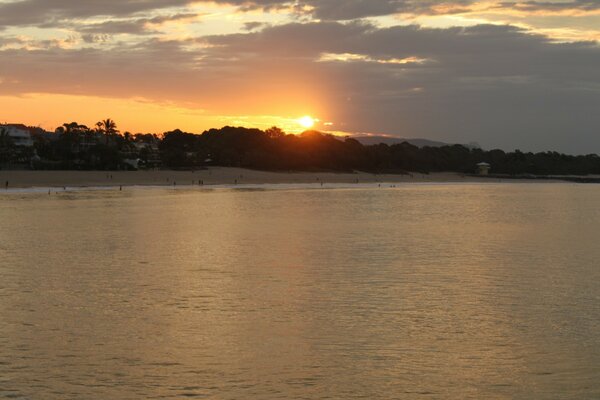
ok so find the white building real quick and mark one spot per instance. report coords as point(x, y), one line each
point(19, 134)
point(483, 168)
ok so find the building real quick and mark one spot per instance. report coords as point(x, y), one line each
point(149, 153)
point(19, 134)
point(483, 168)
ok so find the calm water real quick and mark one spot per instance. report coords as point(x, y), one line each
point(433, 292)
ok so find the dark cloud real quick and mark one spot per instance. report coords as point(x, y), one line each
point(355, 9)
point(250, 26)
point(43, 12)
point(498, 85)
point(39, 12)
point(579, 5)
point(352, 9)
point(134, 26)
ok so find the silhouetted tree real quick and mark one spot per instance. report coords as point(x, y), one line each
point(274, 150)
point(108, 127)
point(275, 132)
point(7, 147)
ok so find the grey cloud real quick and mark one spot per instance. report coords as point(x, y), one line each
point(39, 12)
point(352, 9)
point(581, 5)
point(95, 38)
point(135, 26)
point(497, 85)
point(291, 40)
point(50, 12)
point(250, 26)
point(355, 9)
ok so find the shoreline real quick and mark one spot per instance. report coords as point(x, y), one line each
point(220, 176)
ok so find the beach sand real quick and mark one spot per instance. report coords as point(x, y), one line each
point(211, 176)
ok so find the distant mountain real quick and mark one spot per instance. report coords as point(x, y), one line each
point(371, 140)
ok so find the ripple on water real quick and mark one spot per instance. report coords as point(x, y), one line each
point(446, 291)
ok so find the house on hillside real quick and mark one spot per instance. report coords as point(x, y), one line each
point(149, 153)
point(16, 146)
point(19, 134)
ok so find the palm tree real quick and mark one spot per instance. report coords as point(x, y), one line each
point(108, 127)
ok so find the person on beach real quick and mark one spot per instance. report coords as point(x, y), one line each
point(6, 185)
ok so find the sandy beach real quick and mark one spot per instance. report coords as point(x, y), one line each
point(211, 176)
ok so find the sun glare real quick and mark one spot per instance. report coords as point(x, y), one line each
point(307, 122)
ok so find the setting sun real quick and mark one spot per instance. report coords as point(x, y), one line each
point(307, 122)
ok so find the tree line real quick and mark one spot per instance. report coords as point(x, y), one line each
point(274, 150)
point(103, 147)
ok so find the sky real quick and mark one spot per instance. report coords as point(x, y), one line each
point(505, 74)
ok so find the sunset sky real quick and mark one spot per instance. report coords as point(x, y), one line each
point(522, 74)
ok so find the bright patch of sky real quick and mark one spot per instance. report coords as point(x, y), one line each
point(563, 26)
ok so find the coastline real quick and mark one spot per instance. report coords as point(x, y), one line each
point(209, 177)
point(218, 176)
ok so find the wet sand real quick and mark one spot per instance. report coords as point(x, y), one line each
point(211, 176)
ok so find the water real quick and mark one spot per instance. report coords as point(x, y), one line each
point(423, 291)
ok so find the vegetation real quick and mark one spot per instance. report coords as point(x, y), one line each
point(6, 147)
point(274, 150)
point(76, 146)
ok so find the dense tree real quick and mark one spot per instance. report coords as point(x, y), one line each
point(77, 146)
point(108, 127)
point(6, 147)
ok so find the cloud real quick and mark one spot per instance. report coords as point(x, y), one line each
point(134, 26)
point(536, 6)
point(498, 85)
point(51, 12)
point(250, 26)
point(40, 12)
point(351, 9)
point(339, 10)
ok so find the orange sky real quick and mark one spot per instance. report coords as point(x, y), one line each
point(51, 110)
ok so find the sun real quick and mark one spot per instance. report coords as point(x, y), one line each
point(306, 121)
